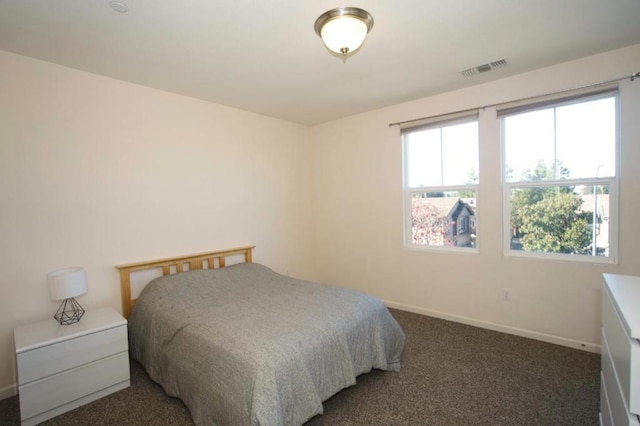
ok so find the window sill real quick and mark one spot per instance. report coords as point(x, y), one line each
point(445, 250)
point(597, 260)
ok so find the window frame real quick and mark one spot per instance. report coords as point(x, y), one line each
point(612, 182)
point(428, 124)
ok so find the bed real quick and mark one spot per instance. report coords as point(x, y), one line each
point(243, 345)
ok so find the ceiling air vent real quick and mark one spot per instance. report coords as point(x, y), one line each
point(484, 68)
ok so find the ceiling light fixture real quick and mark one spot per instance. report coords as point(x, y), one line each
point(119, 6)
point(344, 29)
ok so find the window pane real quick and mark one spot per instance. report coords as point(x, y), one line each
point(529, 141)
point(424, 158)
point(586, 135)
point(460, 154)
point(560, 219)
point(573, 141)
point(443, 219)
point(442, 156)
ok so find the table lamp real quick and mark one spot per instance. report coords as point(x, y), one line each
point(66, 284)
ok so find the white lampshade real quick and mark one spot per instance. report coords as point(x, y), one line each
point(67, 283)
point(344, 29)
point(343, 33)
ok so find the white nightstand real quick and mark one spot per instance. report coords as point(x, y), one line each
point(61, 367)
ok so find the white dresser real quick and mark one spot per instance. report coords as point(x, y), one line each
point(61, 367)
point(620, 375)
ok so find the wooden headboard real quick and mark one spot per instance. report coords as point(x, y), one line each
point(209, 260)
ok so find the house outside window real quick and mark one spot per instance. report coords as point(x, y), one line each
point(440, 158)
point(560, 177)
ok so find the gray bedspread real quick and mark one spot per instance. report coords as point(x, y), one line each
point(243, 345)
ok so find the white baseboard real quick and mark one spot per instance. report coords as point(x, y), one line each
point(8, 391)
point(562, 341)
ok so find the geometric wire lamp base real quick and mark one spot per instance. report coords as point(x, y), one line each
point(69, 312)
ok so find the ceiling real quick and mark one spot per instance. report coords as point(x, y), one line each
point(264, 56)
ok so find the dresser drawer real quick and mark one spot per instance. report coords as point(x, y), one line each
point(44, 361)
point(57, 390)
point(605, 408)
point(624, 354)
point(615, 411)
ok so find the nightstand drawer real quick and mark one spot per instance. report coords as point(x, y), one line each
point(44, 361)
point(57, 390)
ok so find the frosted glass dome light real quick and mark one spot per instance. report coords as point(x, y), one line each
point(344, 29)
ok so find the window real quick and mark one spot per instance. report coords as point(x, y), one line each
point(440, 183)
point(560, 177)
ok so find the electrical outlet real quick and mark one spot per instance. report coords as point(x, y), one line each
point(506, 294)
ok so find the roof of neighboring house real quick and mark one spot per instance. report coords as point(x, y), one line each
point(448, 206)
point(470, 201)
point(460, 207)
point(443, 204)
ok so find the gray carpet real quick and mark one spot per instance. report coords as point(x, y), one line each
point(452, 374)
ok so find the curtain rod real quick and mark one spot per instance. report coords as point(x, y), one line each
point(632, 77)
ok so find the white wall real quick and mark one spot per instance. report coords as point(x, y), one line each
point(96, 172)
point(359, 216)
